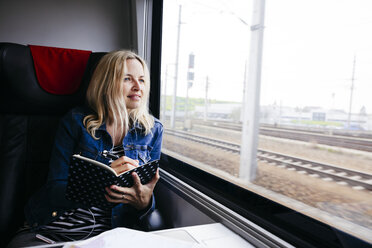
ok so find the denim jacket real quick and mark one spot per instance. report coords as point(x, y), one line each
point(72, 138)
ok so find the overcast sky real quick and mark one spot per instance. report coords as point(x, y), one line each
point(308, 50)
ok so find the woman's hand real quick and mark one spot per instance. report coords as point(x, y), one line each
point(123, 164)
point(139, 196)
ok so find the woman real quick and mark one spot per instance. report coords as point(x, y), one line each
point(117, 123)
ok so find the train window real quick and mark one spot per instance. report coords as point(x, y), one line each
point(291, 122)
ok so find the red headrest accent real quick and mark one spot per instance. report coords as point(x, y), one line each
point(59, 70)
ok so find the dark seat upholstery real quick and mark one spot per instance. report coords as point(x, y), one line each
point(28, 120)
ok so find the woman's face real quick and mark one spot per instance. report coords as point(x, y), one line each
point(133, 84)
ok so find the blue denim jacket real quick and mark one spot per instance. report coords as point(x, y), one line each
point(72, 138)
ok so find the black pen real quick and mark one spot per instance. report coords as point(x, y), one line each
point(109, 155)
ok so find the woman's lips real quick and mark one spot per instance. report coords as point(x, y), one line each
point(135, 97)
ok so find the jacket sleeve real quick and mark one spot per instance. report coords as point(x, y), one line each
point(155, 154)
point(158, 138)
point(121, 212)
point(67, 137)
point(49, 202)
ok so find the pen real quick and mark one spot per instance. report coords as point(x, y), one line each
point(109, 155)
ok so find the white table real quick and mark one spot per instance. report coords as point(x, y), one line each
point(213, 235)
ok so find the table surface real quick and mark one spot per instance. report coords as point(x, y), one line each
point(214, 235)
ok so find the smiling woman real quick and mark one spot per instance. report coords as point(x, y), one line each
point(134, 83)
point(117, 118)
point(119, 91)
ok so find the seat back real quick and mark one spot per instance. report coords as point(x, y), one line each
point(29, 116)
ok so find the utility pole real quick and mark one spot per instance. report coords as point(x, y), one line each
point(190, 80)
point(206, 99)
point(174, 100)
point(244, 91)
point(165, 95)
point(351, 94)
point(249, 141)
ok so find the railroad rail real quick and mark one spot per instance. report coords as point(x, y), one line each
point(326, 171)
point(332, 139)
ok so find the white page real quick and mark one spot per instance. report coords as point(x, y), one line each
point(124, 237)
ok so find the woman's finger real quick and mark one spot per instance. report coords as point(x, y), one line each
point(123, 164)
point(129, 160)
point(118, 193)
point(114, 194)
point(123, 168)
point(121, 190)
point(136, 180)
point(117, 200)
point(154, 180)
point(124, 160)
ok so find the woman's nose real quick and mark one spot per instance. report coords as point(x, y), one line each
point(136, 84)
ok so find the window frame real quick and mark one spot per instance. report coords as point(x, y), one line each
point(155, 61)
point(293, 227)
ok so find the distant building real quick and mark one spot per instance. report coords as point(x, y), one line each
point(310, 116)
point(315, 117)
point(219, 111)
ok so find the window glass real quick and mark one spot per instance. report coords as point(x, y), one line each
point(313, 142)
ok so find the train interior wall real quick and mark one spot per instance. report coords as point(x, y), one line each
point(176, 211)
point(95, 25)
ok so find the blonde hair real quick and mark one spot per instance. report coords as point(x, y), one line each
point(105, 96)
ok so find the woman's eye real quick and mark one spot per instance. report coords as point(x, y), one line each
point(142, 80)
point(126, 79)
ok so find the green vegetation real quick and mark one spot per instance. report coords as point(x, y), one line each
point(193, 102)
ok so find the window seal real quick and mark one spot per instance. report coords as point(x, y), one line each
point(248, 230)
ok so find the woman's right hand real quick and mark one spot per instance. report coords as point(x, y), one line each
point(124, 164)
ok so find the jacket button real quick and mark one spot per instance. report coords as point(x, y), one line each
point(54, 214)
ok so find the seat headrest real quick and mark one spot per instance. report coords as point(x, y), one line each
point(59, 71)
point(20, 91)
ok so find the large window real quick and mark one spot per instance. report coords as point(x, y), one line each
point(312, 147)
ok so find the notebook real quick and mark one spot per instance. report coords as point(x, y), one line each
point(88, 178)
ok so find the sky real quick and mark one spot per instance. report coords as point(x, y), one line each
point(308, 51)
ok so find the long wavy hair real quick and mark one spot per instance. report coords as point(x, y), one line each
point(105, 96)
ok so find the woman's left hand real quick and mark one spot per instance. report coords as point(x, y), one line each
point(139, 196)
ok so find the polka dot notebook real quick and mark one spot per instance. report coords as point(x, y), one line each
point(88, 178)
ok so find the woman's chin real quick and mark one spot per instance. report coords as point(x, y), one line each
point(133, 105)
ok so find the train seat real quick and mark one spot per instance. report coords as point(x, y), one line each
point(29, 115)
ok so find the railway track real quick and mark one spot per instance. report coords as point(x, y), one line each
point(353, 178)
point(338, 140)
